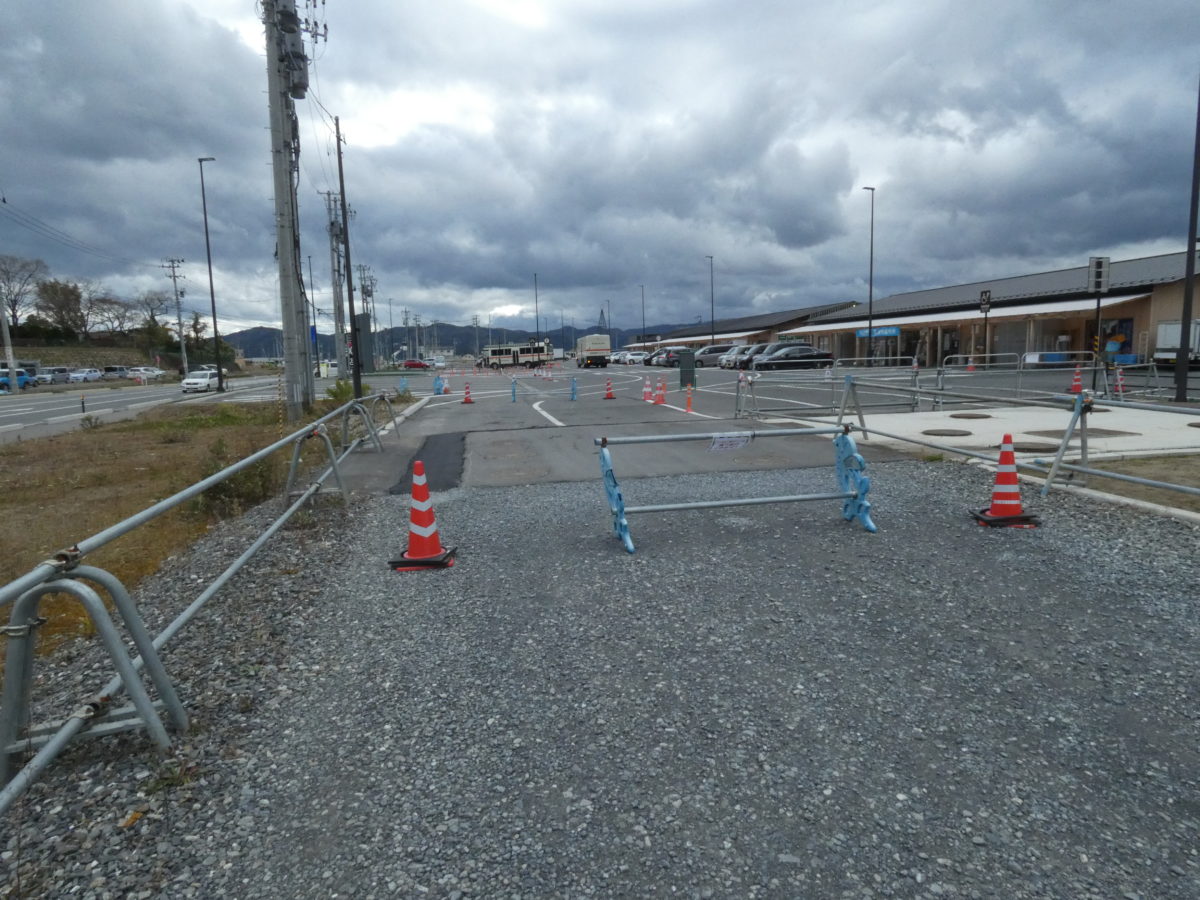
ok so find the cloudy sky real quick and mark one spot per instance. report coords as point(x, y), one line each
point(604, 145)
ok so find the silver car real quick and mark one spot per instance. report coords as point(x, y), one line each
point(202, 380)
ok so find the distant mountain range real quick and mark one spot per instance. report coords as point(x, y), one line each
point(458, 340)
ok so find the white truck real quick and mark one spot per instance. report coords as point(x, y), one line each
point(592, 350)
point(1166, 348)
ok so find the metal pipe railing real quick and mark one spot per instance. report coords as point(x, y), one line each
point(53, 567)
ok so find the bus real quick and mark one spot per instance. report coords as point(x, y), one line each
point(529, 354)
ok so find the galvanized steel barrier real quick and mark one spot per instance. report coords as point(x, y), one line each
point(849, 466)
point(64, 573)
point(1079, 405)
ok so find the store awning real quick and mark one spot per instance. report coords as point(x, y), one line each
point(969, 315)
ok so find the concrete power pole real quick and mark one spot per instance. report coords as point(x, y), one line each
point(356, 362)
point(335, 267)
point(287, 79)
point(173, 265)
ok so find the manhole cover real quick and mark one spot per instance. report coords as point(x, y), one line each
point(1033, 447)
point(946, 432)
point(970, 416)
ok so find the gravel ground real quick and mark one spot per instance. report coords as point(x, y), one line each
point(762, 702)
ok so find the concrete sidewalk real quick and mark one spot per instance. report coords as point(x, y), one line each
point(1036, 431)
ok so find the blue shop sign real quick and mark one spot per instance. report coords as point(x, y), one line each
point(880, 331)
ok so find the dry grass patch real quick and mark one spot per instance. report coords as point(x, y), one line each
point(1183, 470)
point(57, 491)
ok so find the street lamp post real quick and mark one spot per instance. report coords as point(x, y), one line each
point(212, 296)
point(712, 303)
point(537, 327)
point(643, 287)
point(871, 286)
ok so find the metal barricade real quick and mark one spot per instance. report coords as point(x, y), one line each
point(65, 574)
point(849, 466)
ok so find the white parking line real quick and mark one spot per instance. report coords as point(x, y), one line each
point(553, 421)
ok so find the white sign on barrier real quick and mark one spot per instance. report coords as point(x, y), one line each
point(734, 440)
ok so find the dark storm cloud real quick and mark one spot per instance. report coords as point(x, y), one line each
point(606, 145)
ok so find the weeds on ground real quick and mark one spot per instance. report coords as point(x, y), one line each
point(56, 491)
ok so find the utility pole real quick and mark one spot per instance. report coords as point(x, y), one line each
point(475, 322)
point(311, 291)
point(356, 364)
point(335, 268)
point(173, 265)
point(287, 80)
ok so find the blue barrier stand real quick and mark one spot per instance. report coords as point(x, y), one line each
point(851, 476)
point(616, 503)
point(402, 388)
point(514, 390)
point(574, 387)
point(437, 385)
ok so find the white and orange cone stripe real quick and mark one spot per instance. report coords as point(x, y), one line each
point(424, 545)
point(1006, 509)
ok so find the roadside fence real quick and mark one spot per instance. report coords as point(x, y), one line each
point(65, 573)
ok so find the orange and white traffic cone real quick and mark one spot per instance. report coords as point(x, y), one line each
point(689, 399)
point(970, 364)
point(1006, 510)
point(1120, 386)
point(1077, 382)
point(467, 393)
point(661, 396)
point(646, 390)
point(608, 394)
point(425, 549)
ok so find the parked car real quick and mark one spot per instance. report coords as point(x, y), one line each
point(146, 373)
point(635, 357)
point(655, 357)
point(619, 357)
point(415, 364)
point(54, 375)
point(793, 356)
point(78, 375)
point(439, 362)
point(201, 380)
point(23, 380)
point(747, 361)
point(670, 356)
point(729, 358)
point(114, 373)
point(211, 367)
point(708, 356)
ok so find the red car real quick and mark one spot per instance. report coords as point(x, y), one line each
point(415, 364)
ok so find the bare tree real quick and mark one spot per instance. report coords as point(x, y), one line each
point(19, 278)
point(152, 304)
point(98, 307)
point(110, 313)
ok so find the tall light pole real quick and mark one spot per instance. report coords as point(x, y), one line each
point(536, 322)
point(871, 286)
point(712, 302)
point(643, 287)
point(212, 296)
point(610, 325)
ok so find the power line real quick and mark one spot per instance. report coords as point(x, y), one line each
point(49, 232)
